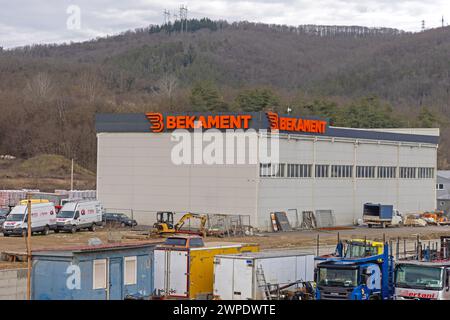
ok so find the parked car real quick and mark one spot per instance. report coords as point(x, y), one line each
point(120, 219)
point(3, 215)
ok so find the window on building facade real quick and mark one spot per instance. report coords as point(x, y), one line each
point(408, 172)
point(322, 170)
point(99, 274)
point(272, 170)
point(439, 186)
point(425, 173)
point(298, 170)
point(341, 171)
point(365, 171)
point(130, 270)
point(387, 172)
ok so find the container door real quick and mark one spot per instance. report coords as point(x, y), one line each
point(160, 272)
point(243, 279)
point(115, 279)
point(223, 275)
point(178, 273)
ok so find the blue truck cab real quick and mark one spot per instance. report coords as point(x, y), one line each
point(359, 278)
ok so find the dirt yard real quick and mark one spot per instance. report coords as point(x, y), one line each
point(288, 240)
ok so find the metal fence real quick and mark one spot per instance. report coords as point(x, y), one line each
point(224, 224)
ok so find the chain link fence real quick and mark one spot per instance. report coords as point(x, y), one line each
point(216, 223)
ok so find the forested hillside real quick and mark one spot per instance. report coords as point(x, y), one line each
point(355, 76)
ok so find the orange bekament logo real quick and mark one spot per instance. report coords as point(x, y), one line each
point(295, 124)
point(170, 122)
point(192, 122)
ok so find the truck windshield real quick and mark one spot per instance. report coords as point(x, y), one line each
point(419, 277)
point(15, 217)
point(338, 277)
point(175, 242)
point(359, 251)
point(65, 214)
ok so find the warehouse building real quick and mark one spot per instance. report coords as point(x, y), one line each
point(144, 166)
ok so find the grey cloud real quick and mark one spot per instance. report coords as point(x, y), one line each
point(42, 21)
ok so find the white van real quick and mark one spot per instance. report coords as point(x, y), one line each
point(43, 219)
point(76, 215)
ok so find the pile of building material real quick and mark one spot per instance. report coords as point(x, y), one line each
point(78, 194)
point(280, 222)
point(325, 219)
point(414, 220)
point(10, 198)
point(308, 220)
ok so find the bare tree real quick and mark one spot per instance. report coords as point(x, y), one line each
point(167, 85)
point(90, 85)
point(40, 87)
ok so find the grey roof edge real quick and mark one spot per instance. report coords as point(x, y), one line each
point(137, 122)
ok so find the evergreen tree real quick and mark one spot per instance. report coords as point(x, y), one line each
point(256, 100)
point(206, 97)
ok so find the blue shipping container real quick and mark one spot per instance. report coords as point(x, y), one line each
point(105, 272)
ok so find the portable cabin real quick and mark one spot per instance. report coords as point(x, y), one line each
point(238, 276)
point(185, 271)
point(102, 272)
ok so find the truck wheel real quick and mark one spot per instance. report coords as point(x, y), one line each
point(73, 229)
point(6, 234)
point(92, 228)
point(369, 225)
point(56, 230)
point(45, 232)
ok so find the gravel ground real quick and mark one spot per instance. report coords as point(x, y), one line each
point(306, 240)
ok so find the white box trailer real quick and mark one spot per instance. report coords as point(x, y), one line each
point(235, 276)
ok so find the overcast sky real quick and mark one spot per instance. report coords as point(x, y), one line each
point(25, 22)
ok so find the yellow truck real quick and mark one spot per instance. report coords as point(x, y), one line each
point(184, 266)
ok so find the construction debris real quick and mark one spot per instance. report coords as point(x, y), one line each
point(280, 222)
point(325, 219)
point(308, 220)
point(414, 220)
point(225, 225)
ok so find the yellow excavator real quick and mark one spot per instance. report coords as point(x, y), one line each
point(165, 223)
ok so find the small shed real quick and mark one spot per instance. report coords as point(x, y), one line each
point(102, 272)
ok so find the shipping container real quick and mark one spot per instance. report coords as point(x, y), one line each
point(235, 276)
point(101, 272)
point(188, 272)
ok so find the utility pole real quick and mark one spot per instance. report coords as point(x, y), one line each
point(183, 18)
point(442, 21)
point(166, 16)
point(71, 177)
point(29, 246)
point(423, 25)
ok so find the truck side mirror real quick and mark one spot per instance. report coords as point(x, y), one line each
point(77, 215)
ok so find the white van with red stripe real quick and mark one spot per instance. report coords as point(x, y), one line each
point(76, 215)
point(43, 219)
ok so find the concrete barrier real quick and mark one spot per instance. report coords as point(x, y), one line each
point(13, 284)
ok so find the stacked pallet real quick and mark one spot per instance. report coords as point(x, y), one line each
point(78, 194)
point(9, 198)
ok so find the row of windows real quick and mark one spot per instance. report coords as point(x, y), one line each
point(289, 170)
